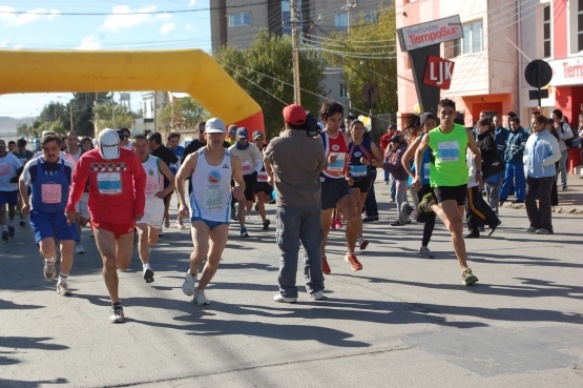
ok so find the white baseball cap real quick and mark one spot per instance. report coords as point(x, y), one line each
point(215, 125)
point(108, 141)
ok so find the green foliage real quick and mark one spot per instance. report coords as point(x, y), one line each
point(112, 115)
point(367, 55)
point(182, 113)
point(24, 130)
point(82, 105)
point(265, 72)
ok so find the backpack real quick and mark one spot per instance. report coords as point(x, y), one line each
point(574, 141)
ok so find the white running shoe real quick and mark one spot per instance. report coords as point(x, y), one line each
point(79, 248)
point(63, 289)
point(188, 285)
point(200, 299)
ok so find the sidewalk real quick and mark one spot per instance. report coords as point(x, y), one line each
point(403, 321)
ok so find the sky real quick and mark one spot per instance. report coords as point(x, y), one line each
point(97, 25)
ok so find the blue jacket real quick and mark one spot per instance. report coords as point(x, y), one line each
point(541, 152)
point(500, 139)
point(515, 146)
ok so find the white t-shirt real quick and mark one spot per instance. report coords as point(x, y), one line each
point(8, 166)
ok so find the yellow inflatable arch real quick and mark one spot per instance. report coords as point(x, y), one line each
point(190, 71)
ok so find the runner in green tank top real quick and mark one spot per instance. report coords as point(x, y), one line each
point(449, 176)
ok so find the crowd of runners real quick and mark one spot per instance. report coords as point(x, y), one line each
point(322, 173)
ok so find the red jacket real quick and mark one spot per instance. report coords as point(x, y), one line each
point(116, 187)
point(385, 140)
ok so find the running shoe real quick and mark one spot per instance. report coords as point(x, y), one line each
point(149, 275)
point(339, 222)
point(318, 295)
point(188, 285)
point(200, 299)
point(180, 224)
point(362, 244)
point(22, 223)
point(531, 230)
point(404, 212)
point(426, 202)
point(244, 233)
point(351, 258)
point(543, 231)
point(5, 235)
point(49, 270)
point(266, 224)
point(11, 231)
point(282, 299)
point(325, 266)
point(116, 314)
point(79, 248)
point(166, 223)
point(63, 289)
point(425, 252)
point(468, 277)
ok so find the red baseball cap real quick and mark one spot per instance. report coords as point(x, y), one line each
point(294, 114)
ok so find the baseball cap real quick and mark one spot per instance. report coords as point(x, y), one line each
point(242, 133)
point(257, 135)
point(294, 114)
point(215, 125)
point(108, 141)
point(426, 116)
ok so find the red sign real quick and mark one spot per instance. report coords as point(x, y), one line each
point(438, 72)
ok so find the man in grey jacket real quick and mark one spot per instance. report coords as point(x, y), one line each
point(541, 152)
point(293, 162)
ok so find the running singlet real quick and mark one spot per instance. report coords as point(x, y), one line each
point(154, 178)
point(50, 188)
point(449, 150)
point(211, 189)
point(339, 148)
point(356, 169)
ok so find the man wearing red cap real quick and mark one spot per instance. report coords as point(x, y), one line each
point(293, 162)
point(117, 182)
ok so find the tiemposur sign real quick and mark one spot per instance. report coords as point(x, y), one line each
point(429, 33)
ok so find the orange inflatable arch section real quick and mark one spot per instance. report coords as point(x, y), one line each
point(190, 71)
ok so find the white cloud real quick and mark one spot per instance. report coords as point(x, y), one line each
point(192, 3)
point(167, 27)
point(3, 44)
point(89, 43)
point(10, 18)
point(123, 17)
point(188, 27)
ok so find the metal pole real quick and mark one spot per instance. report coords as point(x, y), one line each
point(295, 51)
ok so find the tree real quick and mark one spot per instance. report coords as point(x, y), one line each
point(368, 56)
point(265, 72)
point(182, 113)
point(82, 106)
point(112, 115)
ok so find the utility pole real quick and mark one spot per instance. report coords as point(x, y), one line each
point(295, 51)
point(349, 6)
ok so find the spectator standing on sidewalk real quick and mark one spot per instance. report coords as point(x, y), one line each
point(293, 162)
point(542, 151)
point(514, 173)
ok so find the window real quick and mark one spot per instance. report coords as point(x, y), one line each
point(580, 25)
point(343, 92)
point(286, 24)
point(547, 31)
point(239, 19)
point(341, 20)
point(371, 17)
point(472, 41)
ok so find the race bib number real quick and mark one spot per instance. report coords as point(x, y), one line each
point(109, 183)
point(51, 193)
point(426, 170)
point(358, 171)
point(448, 151)
point(213, 198)
point(262, 176)
point(338, 165)
point(5, 169)
point(246, 167)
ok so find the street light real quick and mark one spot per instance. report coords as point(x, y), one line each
point(346, 8)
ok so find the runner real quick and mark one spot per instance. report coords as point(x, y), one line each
point(150, 224)
point(178, 150)
point(263, 190)
point(24, 156)
point(252, 163)
point(335, 189)
point(363, 156)
point(75, 151)
point(211, 169)
point(449, 177)
point(49, 178)
point(10, 169)
point(116, 182)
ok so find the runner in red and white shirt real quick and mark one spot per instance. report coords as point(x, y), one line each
point(116, 200)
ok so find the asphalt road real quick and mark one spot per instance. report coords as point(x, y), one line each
point(403, 321)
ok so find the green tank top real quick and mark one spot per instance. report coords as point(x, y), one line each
point(449, 150)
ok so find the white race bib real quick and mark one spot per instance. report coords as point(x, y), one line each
point(358, 171)
point(338, 165)
point(262, 176)
point(246, 167)
point(213, 198)
point(109, 183)
point(448, 151)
